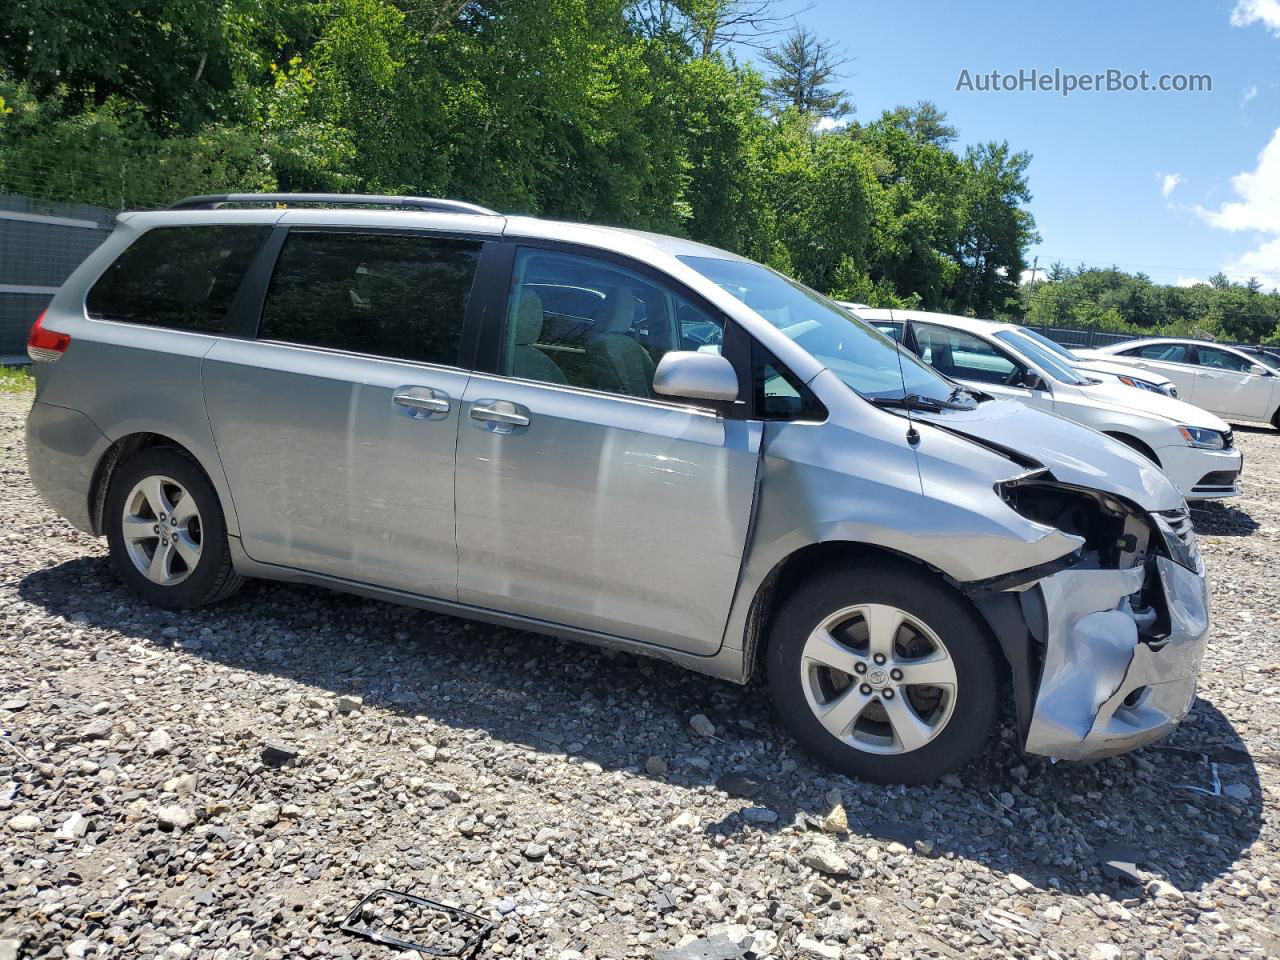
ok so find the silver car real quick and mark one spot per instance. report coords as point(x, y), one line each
point(620, 438)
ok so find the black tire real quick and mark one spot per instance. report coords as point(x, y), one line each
point(212, 577)
point(924, 598)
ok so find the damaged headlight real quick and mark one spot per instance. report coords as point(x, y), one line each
point(1179, 538)
point(1114, 532)
point(1117, 534)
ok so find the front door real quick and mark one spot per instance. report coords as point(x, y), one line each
point(337, 427)
point(1225, 385)
point(583, 498)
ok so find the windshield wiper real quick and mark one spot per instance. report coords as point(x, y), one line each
point(976, 395)
point(914, 401)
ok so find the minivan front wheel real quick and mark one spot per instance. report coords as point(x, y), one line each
point(166, 532)
point(883, 674)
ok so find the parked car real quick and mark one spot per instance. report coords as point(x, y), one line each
point(1104, 370)
point(1194, 448)
point(1222, 379)
point(1267, 356)
point(620, 438)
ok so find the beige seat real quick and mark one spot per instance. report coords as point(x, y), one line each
point(618, 361)
point(527, 359)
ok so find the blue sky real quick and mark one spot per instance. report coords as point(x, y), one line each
point(1148, 181)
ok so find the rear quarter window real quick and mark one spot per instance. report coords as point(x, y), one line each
point(183, 278)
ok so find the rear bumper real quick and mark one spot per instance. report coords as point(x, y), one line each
point(1202, 474)
point(63, 449)
point(1115, 678)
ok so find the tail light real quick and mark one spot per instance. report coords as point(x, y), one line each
point(46, 346)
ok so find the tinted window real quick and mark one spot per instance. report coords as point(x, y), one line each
point(382, 294)
point(587, 323)
point(1221, 359)
point(963, 356)
point(180, 277)
point(1169, 352)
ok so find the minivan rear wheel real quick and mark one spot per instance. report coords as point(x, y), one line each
point(166, 532)
point(883, 674)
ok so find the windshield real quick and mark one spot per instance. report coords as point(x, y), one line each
point(1266, 359)
point(1048, 362)
point(865, 359)
point(1053, 346)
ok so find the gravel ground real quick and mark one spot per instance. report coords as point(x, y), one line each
point(151, 804)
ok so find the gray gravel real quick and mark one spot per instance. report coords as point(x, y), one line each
point(231, 782)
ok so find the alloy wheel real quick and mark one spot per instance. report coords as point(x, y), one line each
point(162, 532)
point(878, 679)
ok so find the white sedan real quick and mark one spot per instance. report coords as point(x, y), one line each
point(1219, 378)
point(1193, 447)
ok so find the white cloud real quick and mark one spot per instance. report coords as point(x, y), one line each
point(1257, 210)
point(1168, 183)
point(1191, 282)
point(1259, 190)
point(1265, 12)
point(1263, 263)
point(1249, 95)
point(825, 124)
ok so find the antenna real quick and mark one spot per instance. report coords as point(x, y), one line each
point(913, 435)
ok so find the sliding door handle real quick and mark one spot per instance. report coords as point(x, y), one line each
point(501, 412)
point(420, 402)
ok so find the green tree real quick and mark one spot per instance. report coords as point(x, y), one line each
point(804, 65)
point(923, 122)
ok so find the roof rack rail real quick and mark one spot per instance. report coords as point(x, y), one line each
point(214, 200)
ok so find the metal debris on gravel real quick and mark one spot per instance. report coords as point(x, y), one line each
point(569, 796)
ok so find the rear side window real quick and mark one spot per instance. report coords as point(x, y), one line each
point(383, 294)
point(184, 278)
point(1168, 352)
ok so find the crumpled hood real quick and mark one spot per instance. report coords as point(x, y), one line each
point(1073, 454)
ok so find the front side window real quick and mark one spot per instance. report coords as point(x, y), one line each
point(183, 278)
point(1222, 360)
point(389, 295)
point(779, 393)
point(964, 356)
point(1168, 352)
point(583, 322)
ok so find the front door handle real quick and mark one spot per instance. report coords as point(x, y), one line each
point(500, 412)
point(420, 402)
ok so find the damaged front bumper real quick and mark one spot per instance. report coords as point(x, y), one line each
point(1121, 651)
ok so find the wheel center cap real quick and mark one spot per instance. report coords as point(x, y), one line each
point(878, 677)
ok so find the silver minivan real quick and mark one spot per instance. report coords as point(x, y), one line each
point(620, 438)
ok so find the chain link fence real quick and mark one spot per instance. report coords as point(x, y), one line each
point(40, 244)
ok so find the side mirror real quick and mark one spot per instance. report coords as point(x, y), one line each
point(695, 376)
point(1258, 370)
point(1033, 381)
